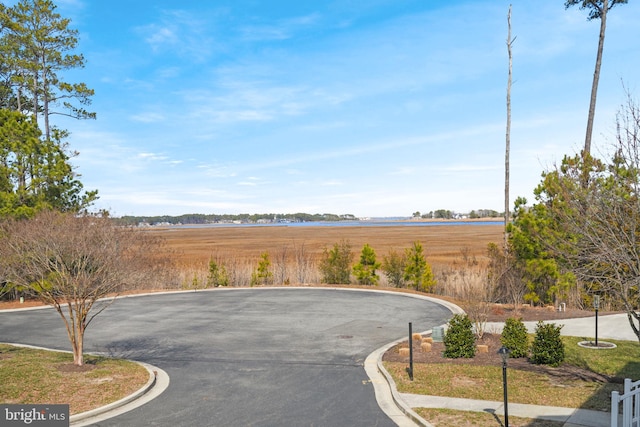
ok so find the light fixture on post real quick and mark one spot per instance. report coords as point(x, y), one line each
point(504, 353)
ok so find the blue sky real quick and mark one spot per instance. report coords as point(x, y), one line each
point(370, 107)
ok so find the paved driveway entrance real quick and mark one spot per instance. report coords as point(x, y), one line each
point(247, 357)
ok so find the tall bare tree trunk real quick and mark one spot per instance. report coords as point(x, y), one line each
point(508, 132)
point(596, 78)
point(35, 97)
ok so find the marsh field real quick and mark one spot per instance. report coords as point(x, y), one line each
point(294, 251)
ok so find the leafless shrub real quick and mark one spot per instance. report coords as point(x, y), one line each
point(304, 265)
point(72, 262)
point(240, 272)
point(280, 266)
point(505, 276)
point(467, 281)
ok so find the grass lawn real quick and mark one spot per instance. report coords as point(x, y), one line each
point(39, 377)
point(451, 418)
point(485, 382)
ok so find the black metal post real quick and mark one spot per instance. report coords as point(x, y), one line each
point(596, 327)
point(504, 387)
point(410, 352)
point(504, 353)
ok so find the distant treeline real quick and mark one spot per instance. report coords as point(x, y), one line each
point(447, 214)
point(278, 218)
point(227, 218)
point(485, 213)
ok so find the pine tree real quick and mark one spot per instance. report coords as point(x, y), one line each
point(35, 174)
point(36, 43)
point(598, 9)
point(335, 263)
point(418, 272)
point(365, 270)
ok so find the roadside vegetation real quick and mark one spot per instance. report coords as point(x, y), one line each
point(35, 376)
point(452, 418)
point(585, 379)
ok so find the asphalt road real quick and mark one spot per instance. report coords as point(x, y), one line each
point(246, 357)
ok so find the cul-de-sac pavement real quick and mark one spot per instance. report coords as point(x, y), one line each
point(247, 357)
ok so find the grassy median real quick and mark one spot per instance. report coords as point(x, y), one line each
point(49, 377)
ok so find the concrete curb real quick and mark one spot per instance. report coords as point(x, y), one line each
point(384, 386)
point(156, 384)
point(386, 391)
point(118, 403)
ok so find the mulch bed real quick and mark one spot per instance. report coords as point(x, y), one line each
point(492, 358)
point(499, 313)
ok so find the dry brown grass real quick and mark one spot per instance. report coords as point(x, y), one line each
point(453, 418)
point(442, 243)
point(457, 253)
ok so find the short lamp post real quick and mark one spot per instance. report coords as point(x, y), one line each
point(596, 306)
point(504, 353)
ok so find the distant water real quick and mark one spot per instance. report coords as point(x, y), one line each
point(347, 224)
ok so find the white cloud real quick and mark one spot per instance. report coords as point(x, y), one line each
point(280, 30)
point(181, 33)
point(148, 117)
point(152, 156)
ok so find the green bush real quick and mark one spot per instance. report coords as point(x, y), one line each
point(514, 337)
point(417, 271)
point(262, 274)
point(218, 275)
point(335, 264)
point(365, 270)
point(547, 348)
point(459, 340)
point(393, 265)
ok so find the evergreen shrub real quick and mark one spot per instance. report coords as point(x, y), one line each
point(547, 348)
point(515, 337)
point(459, 340)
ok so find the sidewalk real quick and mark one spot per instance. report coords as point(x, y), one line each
point(569, 416)
point(612, 326)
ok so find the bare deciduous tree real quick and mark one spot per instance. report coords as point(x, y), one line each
point(474, 290)
point(505, 276)
point(73, 263)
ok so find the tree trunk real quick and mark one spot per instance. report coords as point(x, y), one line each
point(508, 135)
point(631, 315)
point(76, 325)
point(78, 342)
point(596, 78)
point(78, 357)
point(35, 97)
point(45, 99)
